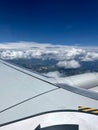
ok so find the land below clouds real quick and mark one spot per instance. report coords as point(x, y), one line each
point(49, 67)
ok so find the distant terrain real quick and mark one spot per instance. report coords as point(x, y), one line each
point(46, 66)
point(51, 60)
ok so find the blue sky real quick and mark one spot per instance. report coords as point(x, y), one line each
point(70, 22)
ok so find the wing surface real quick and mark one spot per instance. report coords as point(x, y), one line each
point(24, 93)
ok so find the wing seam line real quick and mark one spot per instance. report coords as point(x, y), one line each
point(7, 64)
point(8, 108)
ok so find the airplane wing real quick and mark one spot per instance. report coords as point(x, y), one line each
point(32, 101)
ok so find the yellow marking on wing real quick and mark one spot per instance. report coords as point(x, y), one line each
point(95, 112)
point(88, 110)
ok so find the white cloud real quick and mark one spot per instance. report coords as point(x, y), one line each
point(22, 45)
point(69, 56)
point(54, 74)
point(90, 56)
point(74, 52)
point(69, 64)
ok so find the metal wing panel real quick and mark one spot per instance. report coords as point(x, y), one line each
point(54, 100)
point(23, 93)
point(16, 86)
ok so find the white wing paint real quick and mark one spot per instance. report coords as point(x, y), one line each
point(28, 99)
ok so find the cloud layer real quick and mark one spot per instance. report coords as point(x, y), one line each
point(54, 74)
point(68, 64)
point(66, 56)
